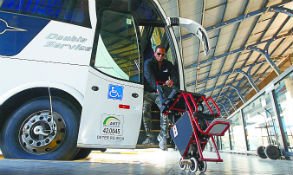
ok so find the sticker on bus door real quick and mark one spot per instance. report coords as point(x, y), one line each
point(115, 92)
point(111, 128)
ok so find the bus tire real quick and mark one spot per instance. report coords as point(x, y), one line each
point(32, 133)
point(83, 153)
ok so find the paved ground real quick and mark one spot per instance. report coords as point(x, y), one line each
point(146, 162)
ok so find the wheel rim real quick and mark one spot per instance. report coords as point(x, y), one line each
point(42, 133)
point(193, 166)
point(202, 166)
point(182, 165)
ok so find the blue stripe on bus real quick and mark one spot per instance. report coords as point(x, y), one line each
point(16, 31)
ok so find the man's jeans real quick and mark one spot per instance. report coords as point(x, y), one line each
point(149, 99)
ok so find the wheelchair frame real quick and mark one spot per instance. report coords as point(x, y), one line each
point(200, 137)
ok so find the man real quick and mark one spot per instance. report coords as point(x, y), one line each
point(157, 71)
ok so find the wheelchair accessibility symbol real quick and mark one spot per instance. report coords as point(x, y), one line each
point(115, 92)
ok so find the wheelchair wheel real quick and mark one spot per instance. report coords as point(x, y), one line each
point(202, 166)
point(193, 166)
point(182, 165)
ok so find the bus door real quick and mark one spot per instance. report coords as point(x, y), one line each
point(112, 109)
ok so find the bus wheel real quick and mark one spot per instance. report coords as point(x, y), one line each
point(33, 133)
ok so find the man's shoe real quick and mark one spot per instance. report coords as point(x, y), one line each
point(162, 142)
point(148, 141)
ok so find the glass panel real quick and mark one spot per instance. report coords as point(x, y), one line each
point(237, 133)
point(70, 11)
point(284, 100)
point(261, 123)
point(158, 37)
point(117, 51)
point(144, 11)
point(225, 141)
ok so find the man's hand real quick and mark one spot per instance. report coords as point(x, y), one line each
point(169, 83)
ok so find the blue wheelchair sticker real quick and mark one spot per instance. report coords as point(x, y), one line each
point(115, 92)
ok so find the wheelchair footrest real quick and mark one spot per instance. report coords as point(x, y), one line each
point(217, 127)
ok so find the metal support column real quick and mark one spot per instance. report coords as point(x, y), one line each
point(282, 141)
point(244, 128)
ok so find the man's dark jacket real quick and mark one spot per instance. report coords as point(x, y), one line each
point(153, 74)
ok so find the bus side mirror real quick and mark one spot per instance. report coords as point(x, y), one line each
point(194, 28)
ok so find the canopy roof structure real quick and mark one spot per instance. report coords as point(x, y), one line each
point(251, 44)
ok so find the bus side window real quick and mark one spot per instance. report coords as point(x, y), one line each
point(9, 5)
point(71, 11)
point(77, 12)
point(49, 9)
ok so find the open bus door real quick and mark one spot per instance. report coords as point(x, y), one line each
point(112, 108)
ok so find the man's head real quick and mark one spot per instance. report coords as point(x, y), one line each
point(160, 53)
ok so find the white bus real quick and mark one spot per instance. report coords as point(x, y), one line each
point(71, 74)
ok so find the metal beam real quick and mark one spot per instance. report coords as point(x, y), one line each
point(260, 38)
point(267, 70)
point(240, 18)
point(250, 79)
point(238, 54)
point(209, 60)
point(198, 48)
point(225, 73)
point(265, 53)
point(277, 9)
point(277, 32)
point(217, 41)
point(227, 107)
point(233, 96)
point(223, 96)
point(229, 45)
point(237, 91)
point(224, 109)
point(286, 11)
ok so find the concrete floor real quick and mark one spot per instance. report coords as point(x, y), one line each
point(146, 162)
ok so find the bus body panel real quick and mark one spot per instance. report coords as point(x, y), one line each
point(111, 114)
point(72, 44)
point(32, 74)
